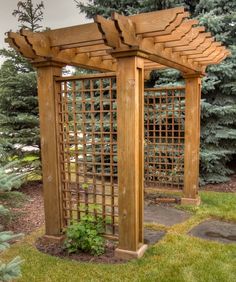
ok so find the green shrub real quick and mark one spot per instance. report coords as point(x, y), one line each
point(85, 236)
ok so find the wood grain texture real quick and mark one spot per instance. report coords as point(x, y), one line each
point(192, 136)
point(167, 37)
point(49, 148)
point(130, 152)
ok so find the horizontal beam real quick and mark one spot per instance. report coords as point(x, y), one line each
point(155, 21)
point(158, 54)
point(166, 37)
point(86, 76)
point(178, 33)
point(74, 35)
point(177, 22)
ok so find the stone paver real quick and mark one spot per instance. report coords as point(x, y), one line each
point(167, 216)
point(215, 230)
point(151, 237)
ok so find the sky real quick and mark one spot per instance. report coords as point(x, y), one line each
point(57, 13)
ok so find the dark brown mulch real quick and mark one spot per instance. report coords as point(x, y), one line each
point(30, 215)
point(56, 249)
point(229, 186)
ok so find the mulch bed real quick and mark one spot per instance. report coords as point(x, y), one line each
point(56, 249)
point(229, 186)
point(30, 215)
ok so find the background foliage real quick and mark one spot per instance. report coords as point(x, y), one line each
point(18, 91)
point(19, 120)
point(218, 119)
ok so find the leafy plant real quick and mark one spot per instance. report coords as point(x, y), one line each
point(85, 235)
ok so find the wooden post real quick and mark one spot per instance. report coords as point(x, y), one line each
point(192, 140)
point(49, 146)
point(130, 105)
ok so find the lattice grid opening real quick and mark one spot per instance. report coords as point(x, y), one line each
point(87, 128)
point(164, 137)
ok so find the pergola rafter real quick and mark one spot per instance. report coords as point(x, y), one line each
point(128, 47)
point(166, 38)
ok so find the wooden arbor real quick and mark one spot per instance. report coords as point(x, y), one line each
point(128, 46)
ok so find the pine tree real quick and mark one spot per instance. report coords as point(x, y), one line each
point(125, 7)
point(29, 16)
point(8, 180)
point(19, 122)
point(218, 131)
point(218, 124)
point(10, 270)
point(106, 8)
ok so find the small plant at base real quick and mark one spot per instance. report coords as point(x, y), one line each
point(85, 236)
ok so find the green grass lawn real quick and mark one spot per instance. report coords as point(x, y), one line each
point(177, 257)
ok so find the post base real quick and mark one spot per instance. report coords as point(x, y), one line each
point(53, 239)
point(127, 255)
point(191, 201)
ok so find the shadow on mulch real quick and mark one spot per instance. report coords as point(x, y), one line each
point(227, 187)
point(56, 249)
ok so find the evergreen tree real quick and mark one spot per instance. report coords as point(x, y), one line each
point(19, 122)
point(29, 16)
point(218, 131)
point(218, 124)
point(10, 270)
point(8, 180)
point(125, 7)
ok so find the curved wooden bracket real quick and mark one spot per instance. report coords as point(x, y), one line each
point(19, 43)
point(39, 43)
point(126, 29)
point(108, 30)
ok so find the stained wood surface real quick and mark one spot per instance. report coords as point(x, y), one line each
point(88, 148)
point(166, 37)
point(130, 152)
point(192, 136)
point(164, 137)
point(49, 148)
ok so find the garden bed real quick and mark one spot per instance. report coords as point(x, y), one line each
point(56, 249)
point(29, 215)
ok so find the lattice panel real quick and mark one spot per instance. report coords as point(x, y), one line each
point(88, 148)
point(164, 137)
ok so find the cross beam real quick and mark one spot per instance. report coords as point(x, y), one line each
point(167, 38)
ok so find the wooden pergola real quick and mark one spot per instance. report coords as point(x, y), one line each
point(130, 46)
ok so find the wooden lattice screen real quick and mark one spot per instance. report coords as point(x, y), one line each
point(87, 130)
point(164, 137)
point(88, 148)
